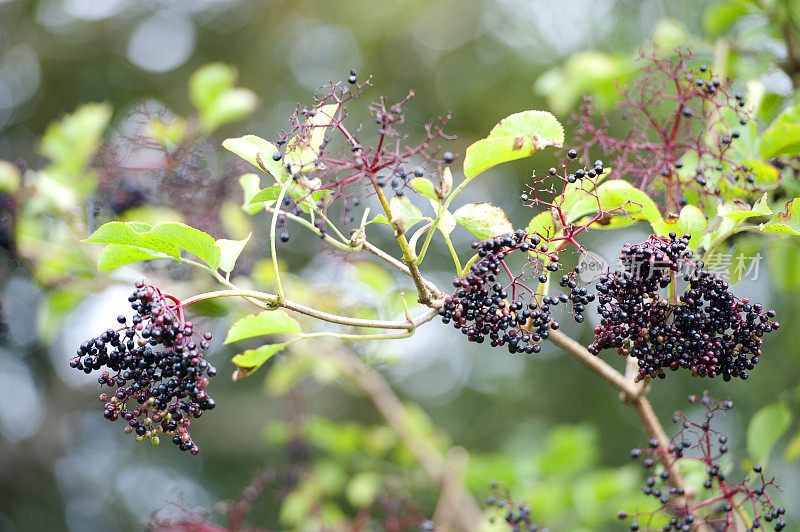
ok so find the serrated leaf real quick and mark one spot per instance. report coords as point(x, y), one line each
point(132, 234)
point(252, 359)
point(263, 323)
point(691, 221)
point(765, 429)
point(761, 208)
point(404, 212)
point(257, 152)
point(483, 220)
point(229, 251)
point(424, 187)
point(250, 184)
point(303, 150)
point(516, 136)
point(782, 137)
point(787, 221)
point(192, 240)
point(628, 203)
point(115, 255)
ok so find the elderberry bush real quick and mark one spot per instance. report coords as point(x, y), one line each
point(706, 330)
point(722, 501)
point(154, 366)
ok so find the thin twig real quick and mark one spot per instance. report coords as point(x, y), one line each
point(464, 511)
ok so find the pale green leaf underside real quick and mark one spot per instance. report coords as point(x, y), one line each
point(230, 251)
point(257, 152)
point(252, 359)
point(263, 323)
point(115, 255)
point(786, 221)
point(483, 220)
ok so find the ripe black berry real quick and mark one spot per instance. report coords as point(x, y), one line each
point(156, 369)
point(706, 330)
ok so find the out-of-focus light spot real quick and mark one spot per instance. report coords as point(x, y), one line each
point(24, 411)
point(92, 9)
point(322, 54)
point(19, 78)
point(20, 301)
point(90, 318)
point(537, 29)
point(162, 43)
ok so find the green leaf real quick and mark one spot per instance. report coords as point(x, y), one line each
point(793, 449)
point(252, 359)
point(405, 213)
point(363, 488)
point(424, 187)
point(761, 208)
point(691, 221)
point(787, 221)
point(766, 428)
point(250, 184)
point(307, 200)
point(447, 221)
point(628, 203)
point(232, 106)
point(782, 137)
point(230, 251)
point(516, 136)
point(542, 224)
point(116, 255)
point(192, 240)
point(263, 323)
point(720, 17)
point(71, 142)
point(765, 175)
point(209, 82)
point(10, 177)
point(483, 220)
point(167, 238)
point(303, 150)
point(783, 256)
point(133, 234)
point(257, 152)
point(211, 89)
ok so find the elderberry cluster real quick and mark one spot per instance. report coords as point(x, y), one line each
point(706, 330)
point(722, 500)
point(156, 368)
point(517, 516)
point(481, 307)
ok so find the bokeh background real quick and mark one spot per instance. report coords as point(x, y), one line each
point(544, 425)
